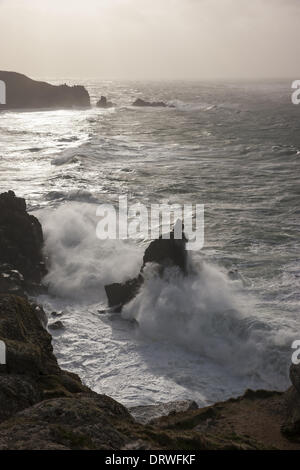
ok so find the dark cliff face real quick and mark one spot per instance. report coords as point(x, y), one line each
point(21, 246)
point(25, 93)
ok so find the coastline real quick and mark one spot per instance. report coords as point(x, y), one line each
point(49, 408)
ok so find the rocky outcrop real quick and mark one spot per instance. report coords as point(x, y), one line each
point(164, 252)
point(25, 93)
point(167, 252)
point(119, 294)
point(31, 372)
point(22, 265)
point(103, 103)
point(151, 104)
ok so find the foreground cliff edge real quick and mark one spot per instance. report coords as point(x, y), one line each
point(24, 93)
point(45, 407)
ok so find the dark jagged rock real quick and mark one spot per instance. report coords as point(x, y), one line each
point(151, 104)
point(120, 294)
point(165, 252)
point(25, 93)
point(22, 265)
point(103, 103)
point(57, 325)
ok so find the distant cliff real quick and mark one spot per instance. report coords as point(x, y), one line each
point(25, 93)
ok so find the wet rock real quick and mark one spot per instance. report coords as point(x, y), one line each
point(103, 103)
point(120, 294)
point(24, 93)
point(21, 244)
point(165, 252)
point(151, 104)
point(58, 325)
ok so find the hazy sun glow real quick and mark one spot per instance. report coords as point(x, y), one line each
point(155, 39)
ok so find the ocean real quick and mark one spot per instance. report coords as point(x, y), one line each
point(234, 147)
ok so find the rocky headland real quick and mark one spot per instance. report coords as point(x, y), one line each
point(24, 93)
point(45, 407)
point(151, 104)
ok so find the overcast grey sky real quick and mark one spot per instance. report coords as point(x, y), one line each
point(151, 39)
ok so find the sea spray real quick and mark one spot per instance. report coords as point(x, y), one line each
point(80, 264)
point(207, 314)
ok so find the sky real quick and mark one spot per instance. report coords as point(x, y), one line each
point(151, 39)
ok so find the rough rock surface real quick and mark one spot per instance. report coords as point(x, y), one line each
point(165, 252)
point(291, 425)
point(22, 264)
point(148, 413)
point(11, 280)
point(25, 93)
point(295, 376)
point(31, 372)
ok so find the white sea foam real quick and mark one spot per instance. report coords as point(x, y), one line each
point(208, 314)
point(204, 313)
point(80, 264)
